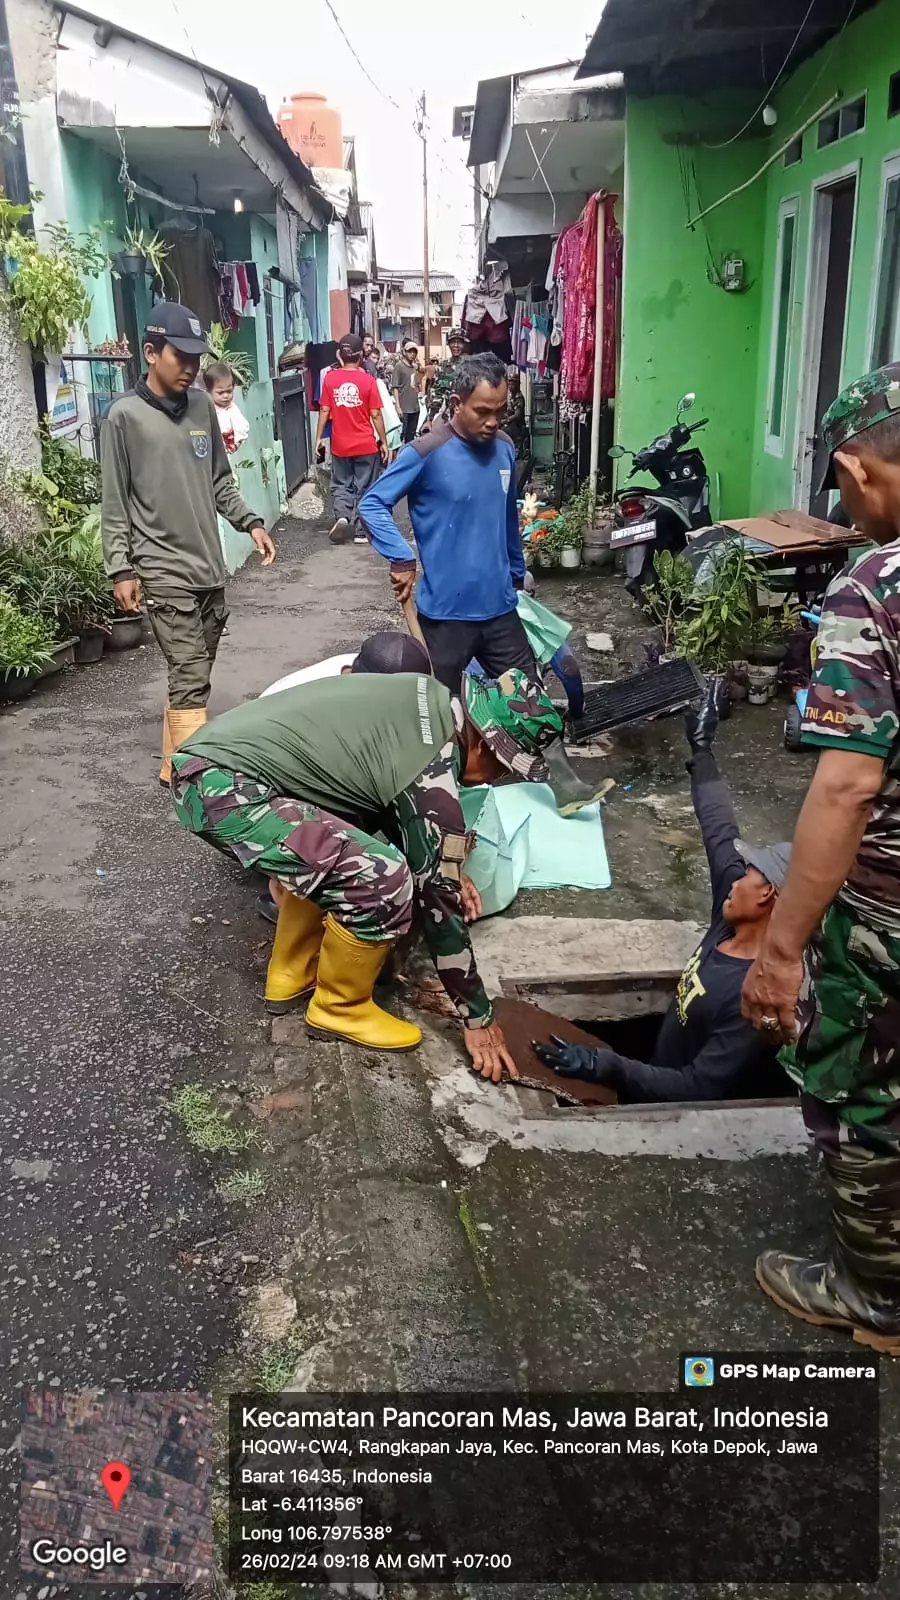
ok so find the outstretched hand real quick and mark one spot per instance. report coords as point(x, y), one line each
point(490, 1057)
point(579, 1061)
point(702, 720)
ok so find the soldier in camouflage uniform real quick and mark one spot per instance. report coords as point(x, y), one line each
point(841, 1011)
point(442, 387)
point(298, 785)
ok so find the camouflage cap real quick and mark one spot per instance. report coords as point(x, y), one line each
point(516, 719)
point(861, 405)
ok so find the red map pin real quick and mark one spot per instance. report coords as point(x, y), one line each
point(115, 1479)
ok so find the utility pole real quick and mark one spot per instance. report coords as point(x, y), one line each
point(426, 284)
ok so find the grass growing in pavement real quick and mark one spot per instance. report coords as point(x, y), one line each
point(204, 1126)
point(276, 1368)
point(251, 1184)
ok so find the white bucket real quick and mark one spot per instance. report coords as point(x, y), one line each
point(762, 683)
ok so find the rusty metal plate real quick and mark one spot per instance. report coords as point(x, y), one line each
point(521, 1023)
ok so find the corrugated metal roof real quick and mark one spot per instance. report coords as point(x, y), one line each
point(414, 282)
point(666, 46)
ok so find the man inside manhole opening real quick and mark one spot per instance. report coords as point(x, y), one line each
point(705, 1049)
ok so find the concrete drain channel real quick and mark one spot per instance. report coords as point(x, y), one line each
point(623, 974)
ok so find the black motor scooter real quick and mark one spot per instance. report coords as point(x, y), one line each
point(648, 519)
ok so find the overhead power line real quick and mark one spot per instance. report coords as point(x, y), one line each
point(777, 78)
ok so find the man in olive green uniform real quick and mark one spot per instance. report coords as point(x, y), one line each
point(442, 387)
point(299, 784)
point(166, 475)
point(841, 1012)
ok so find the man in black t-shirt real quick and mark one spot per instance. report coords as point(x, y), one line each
point(705, 1050)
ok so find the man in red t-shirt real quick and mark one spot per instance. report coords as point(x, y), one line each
point(351, 402)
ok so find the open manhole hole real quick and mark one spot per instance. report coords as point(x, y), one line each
point(625, 1011)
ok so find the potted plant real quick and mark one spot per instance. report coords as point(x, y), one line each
point(667, 601)
point(25, 649)
point(575, 519)
point(705, 621)
point(144, 252)
point(88, 607)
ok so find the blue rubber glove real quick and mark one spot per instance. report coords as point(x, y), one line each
point(579, 1061)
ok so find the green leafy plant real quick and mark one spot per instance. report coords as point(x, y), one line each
point(25, 642)
point(220, 350)
point(155, 251)
point(77, 477)
point(667, 601)
point(576, 517)
point(769, 629)
point(705, 619)
point(44, 284)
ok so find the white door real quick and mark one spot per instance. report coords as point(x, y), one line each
point(831, 248)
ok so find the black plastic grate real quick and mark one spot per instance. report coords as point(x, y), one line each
point(646, 694)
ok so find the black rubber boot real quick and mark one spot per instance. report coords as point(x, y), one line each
point(570, 792)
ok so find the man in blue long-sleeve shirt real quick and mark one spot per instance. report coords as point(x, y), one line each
point(460, 486)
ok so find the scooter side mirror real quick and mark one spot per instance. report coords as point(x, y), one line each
point(616, 452)
point(686, 401)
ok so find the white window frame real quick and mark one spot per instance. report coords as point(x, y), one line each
point(775, 443)
point(890, 170)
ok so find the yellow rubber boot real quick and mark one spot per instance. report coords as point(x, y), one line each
point(295, 953)
point(165, 771)
point(342, 1006)
point(183, 723)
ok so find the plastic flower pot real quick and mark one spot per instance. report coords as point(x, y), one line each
point(126, 631)
point(131, 264)
point(63, 655)
point(762, 682)
point(90, 646)
point(570, 556)
point(17, 685)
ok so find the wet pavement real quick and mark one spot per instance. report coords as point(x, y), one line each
point(417, 1229)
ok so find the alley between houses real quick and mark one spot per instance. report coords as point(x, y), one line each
point(414, 1228)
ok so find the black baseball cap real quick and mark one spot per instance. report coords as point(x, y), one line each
point(392, 652)
point(351, 344)
point(179, 327)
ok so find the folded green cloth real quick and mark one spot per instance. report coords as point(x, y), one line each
point(546, 631)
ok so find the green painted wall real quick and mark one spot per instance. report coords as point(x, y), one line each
point(867, 54)
point(95, 198)
point(679, 330)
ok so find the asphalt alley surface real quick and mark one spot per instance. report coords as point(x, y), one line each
point(130, 967)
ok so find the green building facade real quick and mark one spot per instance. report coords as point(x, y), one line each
point(812, 240)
